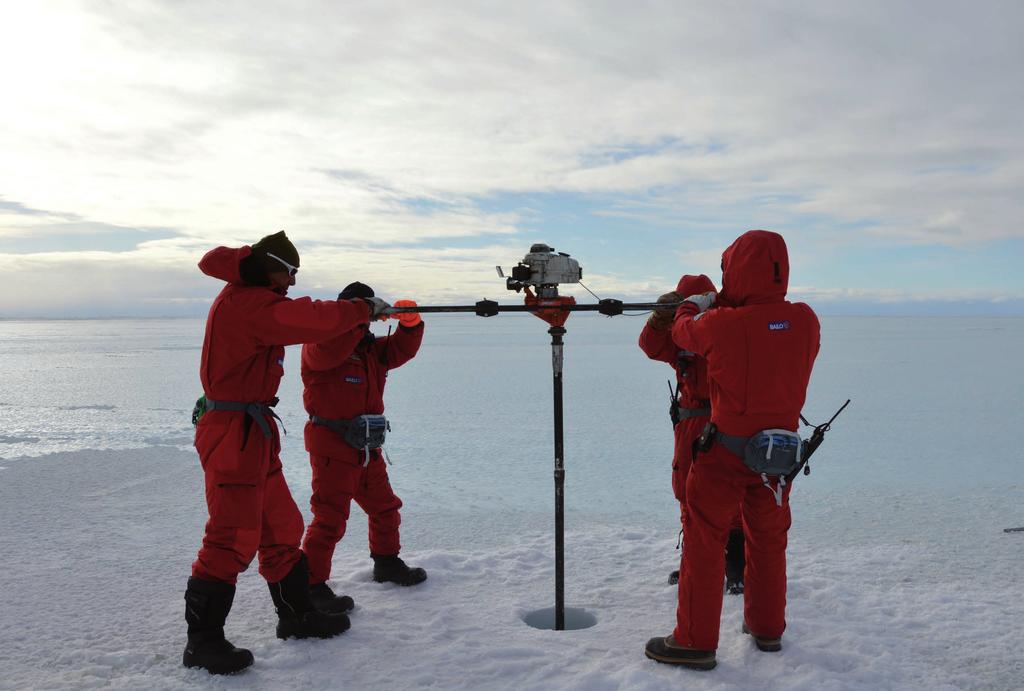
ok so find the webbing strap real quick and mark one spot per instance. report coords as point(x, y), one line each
point(777, 492)
point(736, 445)
point(685, 413)
point(366, 449)
point(339, 426)
point(256, 411)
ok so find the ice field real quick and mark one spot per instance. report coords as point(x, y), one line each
point(900, 573)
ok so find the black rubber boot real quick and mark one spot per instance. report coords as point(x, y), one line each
point(207, 604)
point(325, 600)
point(734, 563)
point(296, 615)
point(391, 569)
point(673, 578)
point(665, 649)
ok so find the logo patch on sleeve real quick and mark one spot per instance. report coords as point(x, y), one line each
point(353, 380)
point(779, 325)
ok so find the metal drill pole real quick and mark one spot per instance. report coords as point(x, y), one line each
point(494, 308)
point(556, 365)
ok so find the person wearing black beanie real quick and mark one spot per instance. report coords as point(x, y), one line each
point(250, 508)
point(356, 290)
point(273, 262)
point(344, 392)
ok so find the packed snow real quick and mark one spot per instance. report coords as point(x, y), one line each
point(900, 573)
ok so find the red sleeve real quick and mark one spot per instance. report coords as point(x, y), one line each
point(657, 344)
point(290, 322)
point(817, 329)
point(329, 354)
point(690, 330)
point(400, 347)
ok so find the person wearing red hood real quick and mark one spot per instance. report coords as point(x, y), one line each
point(760, 350)
point(691, 410)
point(250, 507)
point(344, 380)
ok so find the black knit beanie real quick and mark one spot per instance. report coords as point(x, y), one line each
point(356, 290)
point(281, 247)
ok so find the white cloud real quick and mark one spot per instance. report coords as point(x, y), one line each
point(161, 278)
point(376, 124)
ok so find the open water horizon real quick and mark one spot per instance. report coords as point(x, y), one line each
point(935, 406)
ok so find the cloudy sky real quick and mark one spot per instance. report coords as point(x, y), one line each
point(415, 145)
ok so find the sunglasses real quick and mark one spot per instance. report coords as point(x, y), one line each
point(292, 270)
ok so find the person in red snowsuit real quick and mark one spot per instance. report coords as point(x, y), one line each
point(760, 351)
point(251, 510)
point(344, 378)
point(694, 411)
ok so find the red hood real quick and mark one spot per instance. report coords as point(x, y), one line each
point(755, 269)
point(694, 285)
point(224, 262)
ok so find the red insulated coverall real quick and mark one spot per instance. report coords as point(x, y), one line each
point(760, 351)
point(692, 381)
point(250, 507)
point(344, 379)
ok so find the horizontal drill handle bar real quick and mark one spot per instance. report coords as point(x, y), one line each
point(488, 308)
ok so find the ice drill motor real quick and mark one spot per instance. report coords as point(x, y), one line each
point(539, 275)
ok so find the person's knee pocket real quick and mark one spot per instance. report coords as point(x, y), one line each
point(236, 506)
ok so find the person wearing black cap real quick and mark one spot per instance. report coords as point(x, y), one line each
point(250, 507)
point(343, 381)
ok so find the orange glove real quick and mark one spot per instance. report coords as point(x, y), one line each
point(408, 319)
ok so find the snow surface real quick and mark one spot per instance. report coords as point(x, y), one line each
point(900, 574)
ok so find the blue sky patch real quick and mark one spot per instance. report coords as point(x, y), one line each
point(81, 237)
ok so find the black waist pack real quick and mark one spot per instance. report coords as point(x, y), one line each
point(363, 432)
point(366, 431)
point(773, 452)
